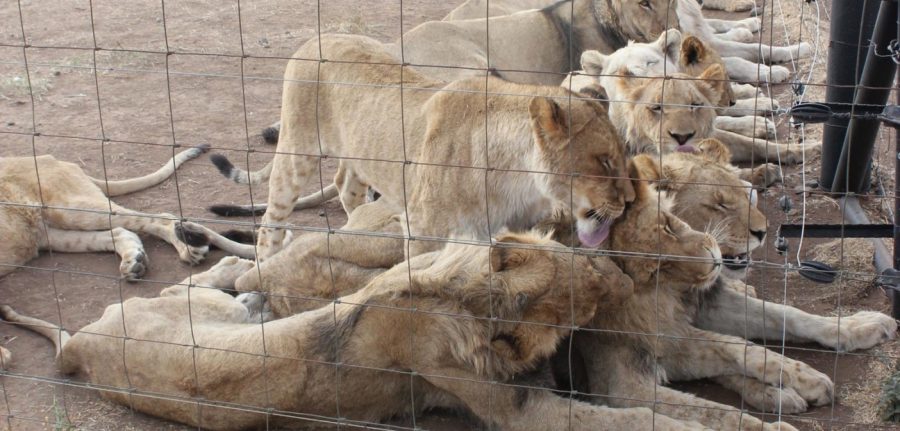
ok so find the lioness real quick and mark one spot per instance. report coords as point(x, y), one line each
point(483, 318)
point(77, 215)
point(536, 138)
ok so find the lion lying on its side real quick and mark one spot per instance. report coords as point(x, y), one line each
point(77, 216)
point(482, 315)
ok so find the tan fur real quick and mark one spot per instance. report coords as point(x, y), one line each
point(526, 134)
point(77, 218)
point(535, 42)
point(358, 349)
point(318, 267)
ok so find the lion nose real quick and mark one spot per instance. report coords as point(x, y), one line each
point(759, 234)
point(681, 138)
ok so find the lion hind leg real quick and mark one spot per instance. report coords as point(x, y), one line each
point(123, 242)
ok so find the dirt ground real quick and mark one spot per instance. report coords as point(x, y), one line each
point(222, 87)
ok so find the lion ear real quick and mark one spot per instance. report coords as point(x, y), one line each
point(593, 62)
point(597, 92)
point(714, 150)
point(643, 170)
point(716, 80)
point(693, 51)
point(506, 258)
point(547, 119)
point(669, 42)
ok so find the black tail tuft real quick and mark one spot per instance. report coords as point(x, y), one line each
point(235, 211)
point(202, 147)
point(223, 164)
point(190, 235)
point(270, 135)
point(241, 236)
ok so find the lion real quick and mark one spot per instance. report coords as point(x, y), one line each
point(485, 318)
point(701, 188)
point(406, 155)
point(537, 46)
point(673, 113)
point(734, 39)
point(78, 217)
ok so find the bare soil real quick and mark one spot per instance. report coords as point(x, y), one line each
point(118, 113)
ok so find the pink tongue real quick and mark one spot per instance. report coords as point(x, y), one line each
point(595, 238)
point(686, 149)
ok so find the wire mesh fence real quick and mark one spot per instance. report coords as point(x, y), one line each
point(429, 294)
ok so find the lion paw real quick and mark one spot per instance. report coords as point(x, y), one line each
point(863, 330)
point(134, 266)
point(774, 399)
point(766, 175)
point(804, 50)
point(797, 153)
point(776, 75)
point(814, 386)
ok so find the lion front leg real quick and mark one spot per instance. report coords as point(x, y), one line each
point(624, 376)
point(743, 70)
point(290, 172)
point(730, 312)
point(526, 409)
point(763, 397)
point(729, 5)
point(705, 354)
point(744, 149)
point(749, 126)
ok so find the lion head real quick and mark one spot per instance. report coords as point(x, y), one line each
point(709, 196)
point(584, 161)
point(671, 52)
point(640, 20)
point(667, 114)
point(656, 244)
point(695, 58)
point(512, 289)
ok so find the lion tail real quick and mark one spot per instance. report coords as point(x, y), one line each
point(122, 187)
point(55, 333)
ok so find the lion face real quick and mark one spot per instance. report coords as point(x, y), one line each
point(585, 159)
point(668, 247)
point(710, 197)
point(695, 58)
point(642, 20)
point(670, 114)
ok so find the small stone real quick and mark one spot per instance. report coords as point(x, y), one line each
point(10, 123)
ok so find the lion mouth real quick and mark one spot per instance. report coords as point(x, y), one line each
point(736, 262)
point(686, 148)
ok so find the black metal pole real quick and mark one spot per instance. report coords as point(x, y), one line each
point(874, 89)
point(852, 22)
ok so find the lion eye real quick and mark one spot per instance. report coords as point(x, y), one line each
point(656, 109)
point(645, 4)
point(607, 164)
point(723, 206)
point(668, 229)
point(695, 106)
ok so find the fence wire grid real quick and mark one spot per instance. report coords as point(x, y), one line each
point(119, 89)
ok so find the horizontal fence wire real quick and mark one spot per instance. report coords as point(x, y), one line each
point(16, 383)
